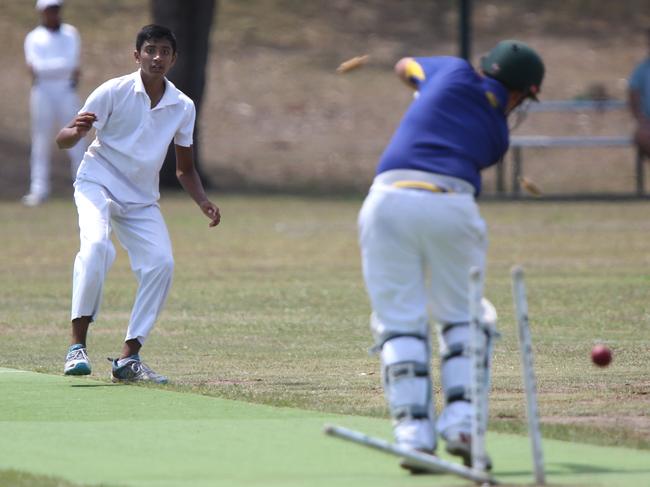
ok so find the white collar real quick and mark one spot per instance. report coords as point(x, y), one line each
point(170, 97)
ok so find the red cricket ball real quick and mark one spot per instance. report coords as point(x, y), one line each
point(601, 355)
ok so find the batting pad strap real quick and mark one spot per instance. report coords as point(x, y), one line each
point(405, 370)
point(457, 393)
point(445, 327)
point(376, 348)
point(454, 350)
point(411, 411)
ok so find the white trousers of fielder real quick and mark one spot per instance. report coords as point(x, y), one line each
point(417, 248)
point(142, 232)
point(51, 108)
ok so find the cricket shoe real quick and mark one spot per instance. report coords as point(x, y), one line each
point(416, 469)
point(460, 445)
point(417, 435)
point(76, 361)
point(33, 199)
point(132, 369)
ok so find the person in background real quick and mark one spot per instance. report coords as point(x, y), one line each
point(52, 55)
point(639, 100)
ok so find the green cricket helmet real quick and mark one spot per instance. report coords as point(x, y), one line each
point(516, 65)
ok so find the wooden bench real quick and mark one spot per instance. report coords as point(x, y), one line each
point(520, 142)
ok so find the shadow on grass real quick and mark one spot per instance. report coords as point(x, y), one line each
point(580, 468)
point(573, 468)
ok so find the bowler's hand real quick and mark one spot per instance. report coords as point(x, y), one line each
point(83, 122)
point(211, 210)
point(76, 130)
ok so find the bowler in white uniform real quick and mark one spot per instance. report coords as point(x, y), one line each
point(136, 117)
point(52, 56)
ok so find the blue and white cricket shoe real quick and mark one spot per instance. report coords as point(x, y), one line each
point(132, 369)
point(76, 362)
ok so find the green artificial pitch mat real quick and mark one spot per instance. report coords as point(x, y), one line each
point(91, 433)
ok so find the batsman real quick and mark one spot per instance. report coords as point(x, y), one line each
point(420, 233)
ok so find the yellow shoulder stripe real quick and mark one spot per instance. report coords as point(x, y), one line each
point(414, 70)
point(492, 98)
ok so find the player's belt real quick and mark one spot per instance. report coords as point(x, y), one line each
point(434, 188)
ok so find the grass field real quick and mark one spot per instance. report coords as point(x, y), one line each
point(269, 308)
point(94, 432)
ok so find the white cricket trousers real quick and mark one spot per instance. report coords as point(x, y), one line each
point(417, 248)
point(52, 106)
point(142, 232)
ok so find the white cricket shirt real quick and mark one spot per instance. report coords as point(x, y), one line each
point(132, 138)
point(53, 54)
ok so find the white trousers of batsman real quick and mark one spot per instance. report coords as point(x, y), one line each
point(417, 251)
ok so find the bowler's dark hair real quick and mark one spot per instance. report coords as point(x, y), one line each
point(155, 32)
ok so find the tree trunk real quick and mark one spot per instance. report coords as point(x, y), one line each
point(191, 22)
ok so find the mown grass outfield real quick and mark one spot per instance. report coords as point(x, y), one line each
point(269, 308)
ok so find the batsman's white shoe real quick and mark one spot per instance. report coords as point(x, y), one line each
point(76, 362)
point(33, 199)
point(415, 434)
point(460, 444)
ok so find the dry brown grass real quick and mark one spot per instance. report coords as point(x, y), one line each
point(277, 116)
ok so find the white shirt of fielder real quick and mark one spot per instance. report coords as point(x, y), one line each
point(132, 138)
point(53, 54)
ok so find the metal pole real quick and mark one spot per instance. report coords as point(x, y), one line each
point(464, 31)
point(640, 173)
point(501, 185)
point(516, 171)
